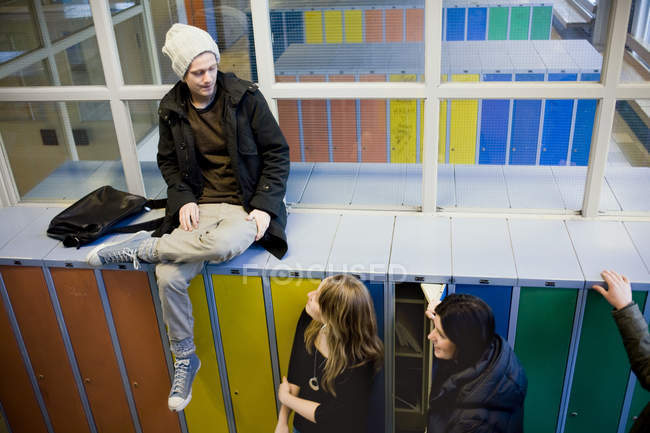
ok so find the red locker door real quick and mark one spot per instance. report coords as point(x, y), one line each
point(314, 124)
point(373, 125)
point(37, 322)
point(137, 329)
point(84, 318)
point(16, 392)
point(344, 124)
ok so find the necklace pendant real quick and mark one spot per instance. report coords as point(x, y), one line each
point(313, 383)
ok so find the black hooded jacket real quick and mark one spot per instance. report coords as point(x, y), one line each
point(486, 397)
point(259, 154)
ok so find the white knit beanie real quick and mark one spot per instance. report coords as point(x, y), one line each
point(183, 43)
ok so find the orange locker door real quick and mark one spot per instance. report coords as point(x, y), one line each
point(314, 124)
point(374, 25)
point(84, 317)
point(16, 392)
point(394, 25)
point(343, 114)
point(373, 125)
point(144, 357)
point(288, 115)
point(30, 300)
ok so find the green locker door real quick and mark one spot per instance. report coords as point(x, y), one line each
point(242, 318)
point(601, 370)
point(640, 399)
point(542, 342)
point(206, 413)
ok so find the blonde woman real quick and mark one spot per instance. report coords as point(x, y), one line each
point(335, 356)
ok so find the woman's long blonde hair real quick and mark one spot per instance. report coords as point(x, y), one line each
point(347, 310)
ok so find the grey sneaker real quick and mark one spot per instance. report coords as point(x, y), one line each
point(119, 252)
point(185, 370)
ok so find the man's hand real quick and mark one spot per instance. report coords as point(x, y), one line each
point(262, 219)
point(188, 216)
point(619, 292)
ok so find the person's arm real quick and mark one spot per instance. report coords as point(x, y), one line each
point(283, 417)
point(305, 408)
point(630, 322)
point(274, 153)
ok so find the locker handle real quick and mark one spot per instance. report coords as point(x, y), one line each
point(41, 376)
point(136, 384)
point(484, 281)
point(550, 284)
point(87, 380)
point(574, 413)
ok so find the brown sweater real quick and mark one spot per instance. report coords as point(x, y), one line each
point(220, 184)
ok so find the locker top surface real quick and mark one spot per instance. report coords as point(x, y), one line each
point(250, 262)
point(31, 244)
point(640, 233)
point(421, 249)
point(482, 252)
point(15, 219)
point(341, 4)
point(584, 54)
point(606, 245)
point(310, 238)
point(556, 59)
point(544, 255)
point(362, 246)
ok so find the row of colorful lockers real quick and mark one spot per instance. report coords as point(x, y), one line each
point(527, 132)
point(354, 22)
point(85, 351)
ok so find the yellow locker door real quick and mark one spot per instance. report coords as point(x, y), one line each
point(464, 120)
point(313, 27)
point(242, 319)
point(289, 299)
point(442, 143)
point(403, 125)
point(353, 26)
point(206, 413)
point(333, 27)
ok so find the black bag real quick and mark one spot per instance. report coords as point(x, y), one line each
point(98, 213)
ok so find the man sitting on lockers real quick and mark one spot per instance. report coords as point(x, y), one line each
point(226, 165)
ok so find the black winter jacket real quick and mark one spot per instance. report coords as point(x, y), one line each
point(636, 339)
point(258, 151)
point(486, 397)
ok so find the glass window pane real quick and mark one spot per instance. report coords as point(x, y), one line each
point(627, 175)
point(60, 150)
point(66, 18)
point(353, 153)
point(118, 6)
point(144, 115)
point(520, 153)
point(19, 33)
point(348, 37)
point(36, 74)
point(229, 26)
point(514, 154)
point(80, 64)
point(636, 60)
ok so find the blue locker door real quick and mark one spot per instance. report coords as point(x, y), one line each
point(476, 24)
point(494, 125)
point(277, 31)
point(376, 412)
point(583, 129)
point(498, 298)
point(455, 24)
point(525, 126)
point(556, 131)
point(295, 27)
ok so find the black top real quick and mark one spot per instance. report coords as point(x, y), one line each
point(348, 411)
point(219, 183)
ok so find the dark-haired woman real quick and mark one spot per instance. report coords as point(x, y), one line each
point(336, 353)
point(478, 383)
